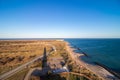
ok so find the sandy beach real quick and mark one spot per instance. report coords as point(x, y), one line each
point(98, 70)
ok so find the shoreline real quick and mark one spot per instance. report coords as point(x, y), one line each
point(99, 70)
point(108, 69)
point(99, 64)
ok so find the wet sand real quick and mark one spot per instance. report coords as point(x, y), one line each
point(98, 70)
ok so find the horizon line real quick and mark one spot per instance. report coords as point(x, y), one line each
point(68, 38)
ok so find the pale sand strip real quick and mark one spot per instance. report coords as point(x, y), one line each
point(98, 70)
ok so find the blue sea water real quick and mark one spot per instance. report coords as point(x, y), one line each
point(103, 51)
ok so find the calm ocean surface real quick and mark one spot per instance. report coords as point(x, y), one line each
point(103, 51)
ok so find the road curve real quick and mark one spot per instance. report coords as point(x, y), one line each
point(12, 72)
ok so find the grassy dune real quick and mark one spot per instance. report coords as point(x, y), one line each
point(15, 53)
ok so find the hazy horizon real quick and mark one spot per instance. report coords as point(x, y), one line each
point(59, 19)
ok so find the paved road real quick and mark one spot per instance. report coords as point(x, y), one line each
point(30, 72)
point(12, 72)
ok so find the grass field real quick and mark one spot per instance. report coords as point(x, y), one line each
point(19, 76)
point(16, 53)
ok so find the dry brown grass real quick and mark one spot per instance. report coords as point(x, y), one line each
point(74, 67)
point(34, 78)
point(19, 76)
point(15, 53)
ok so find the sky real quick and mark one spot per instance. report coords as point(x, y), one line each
point(59, 18)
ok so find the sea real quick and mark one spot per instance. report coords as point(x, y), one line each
point(100, 50)
point(103, 51)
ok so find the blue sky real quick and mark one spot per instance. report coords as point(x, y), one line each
point(59, 18)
